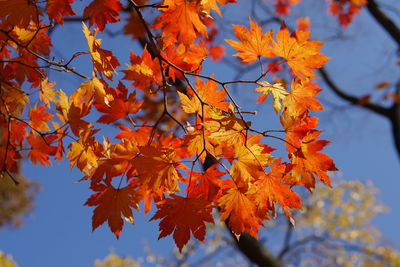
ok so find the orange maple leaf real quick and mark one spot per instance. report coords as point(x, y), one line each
point(250, 160)
point(41, 148)
point(143, 71)
point(39, 41)
point(308, 162)
point(197, 144)
point(140, 136)
point(204, 185)
point(271, 188)
point(296, 128)
point(120, 106)
point(207, 5)
point(157, 167)
point(181, 19)
point(73, 111)
point(18, 12)
point(302, 97)
point(103, 60)
point(185, 57)
point(253, 44)
point(39, 118)
point(183, 216)
point(102, 11)
point(82, 152)
point(206, 96)
point(112, 205)
point(301, 54)
point(57, 9)
point(241, 212)
point(225, 128)
point(134, 26)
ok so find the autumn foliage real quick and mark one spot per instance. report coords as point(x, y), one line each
point(171, 118)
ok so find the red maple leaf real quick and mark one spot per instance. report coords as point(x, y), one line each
point(102, 11)
point(112, 205)
point(183, 216)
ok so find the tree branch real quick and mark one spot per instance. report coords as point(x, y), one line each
point(352, 99)
point(384, 21)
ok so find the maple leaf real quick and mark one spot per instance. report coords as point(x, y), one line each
point(11, 163)
point(225, 128)
point(240, 211)
point(303, 23)
point(82, 152)
point(308, 162)
point(282, 7)
point(183, 216)
point(15, 98)
point(301, 54)
point(181, 19)
point(197, 143)
point(253, 44)
point(250, 160)
point(157, 167)
point(73, 111)
point(102, 11)
point(134, 26)
point(38, 40)
point(89, 89)
point(207, 5)
point(57, 9)
point(17, 133)
point(41, 149)
point(143, 71)
point(296, 128)
point(140, 136)
point(206, 93)
point(271, 188)
point(217, 52)
point(204, 185)
point(103, 60)
point(185, 57)
point(277, 90)
point(18, 12)
point(120, 106)
point(112, 205)
point(39, 117)
point(47, 94)
point(302, 97)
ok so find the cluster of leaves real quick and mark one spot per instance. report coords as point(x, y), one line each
point(334, 229)
point(344, 10)
point(172, 119)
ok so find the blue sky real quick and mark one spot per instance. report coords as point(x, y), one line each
point(58, 231)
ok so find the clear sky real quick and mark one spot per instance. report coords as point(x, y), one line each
point(58, 232)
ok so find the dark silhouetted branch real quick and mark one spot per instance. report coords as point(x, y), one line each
point(389, 26)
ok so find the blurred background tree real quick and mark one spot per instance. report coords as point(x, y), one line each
point(16, 201)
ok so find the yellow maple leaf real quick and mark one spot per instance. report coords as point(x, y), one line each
point(103, 60)
point(225, 128)
point(277, 90)
point(47, 94)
